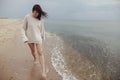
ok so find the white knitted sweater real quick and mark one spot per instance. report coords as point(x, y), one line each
point(32, 29)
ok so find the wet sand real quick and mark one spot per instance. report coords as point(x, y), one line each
point(16, 61)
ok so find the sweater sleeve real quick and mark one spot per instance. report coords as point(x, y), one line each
point(23, 30)
point(43, 30)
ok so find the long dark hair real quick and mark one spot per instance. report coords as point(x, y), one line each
point(38, 8)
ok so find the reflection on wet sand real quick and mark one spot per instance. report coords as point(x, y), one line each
point(35, 73)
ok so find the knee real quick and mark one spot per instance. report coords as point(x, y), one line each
point(40, 52)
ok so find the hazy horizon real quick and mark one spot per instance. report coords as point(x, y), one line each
point(72, 10)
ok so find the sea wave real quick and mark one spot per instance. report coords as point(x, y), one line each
point(59, 64)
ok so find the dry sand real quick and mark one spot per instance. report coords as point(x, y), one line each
point(16, 61)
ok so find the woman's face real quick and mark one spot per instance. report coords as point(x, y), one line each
point(35, 14)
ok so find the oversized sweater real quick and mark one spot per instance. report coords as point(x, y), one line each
point(32, 30)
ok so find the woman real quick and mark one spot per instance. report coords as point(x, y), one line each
point(33, 32)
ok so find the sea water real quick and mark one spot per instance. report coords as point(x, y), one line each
point(91, 49)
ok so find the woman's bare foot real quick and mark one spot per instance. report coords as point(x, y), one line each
point(43, 76)
point(35, 61)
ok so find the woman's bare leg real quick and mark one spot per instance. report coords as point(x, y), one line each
point(41, 59)
point(32, 48)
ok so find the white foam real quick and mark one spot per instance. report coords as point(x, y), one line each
point(59, 64)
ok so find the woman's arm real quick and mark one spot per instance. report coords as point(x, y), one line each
point(23, 30)
point(43, 30)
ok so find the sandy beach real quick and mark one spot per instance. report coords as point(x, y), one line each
point(16, 61)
